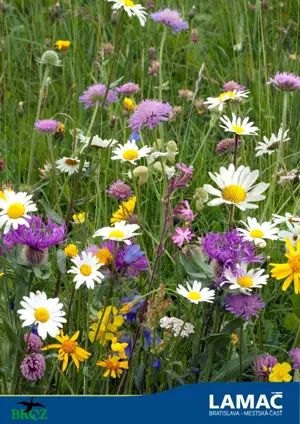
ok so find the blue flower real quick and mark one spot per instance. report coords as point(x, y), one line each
point(133, 253)
point(134, 136)
point(149, 339)
point(156, 364)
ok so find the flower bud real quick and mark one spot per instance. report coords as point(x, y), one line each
point(261, 244)
point(192, 12)
point(114, 17)
point(171, 157)
point(21, 108)
point(157, 166)
point(199, 205)
point(201, 194)
point(152, 53)
point(142, 173)
point(171, 146)
point(50, 58)
point(194, 36)
point(2, 164)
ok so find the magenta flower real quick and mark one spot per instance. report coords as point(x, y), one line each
point(232, 85)
point(263, 365)
point(95, 93)
point(244, 305)
point(93, 249)
point(182, 235)
point(128, 88)
point(183, 211)
point(171, 18)
point(46, 125)
point(119, 190)
point(284, 81)
point(33, 342)
point(184, 168)
point(150, 113)
point(33, 367)
point(295, 354)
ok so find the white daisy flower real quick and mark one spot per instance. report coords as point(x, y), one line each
point(86, 270)
point(15, 209)
point(46, 313)
point(236, 187)
point(219, 102)
point(288, 217)
point(97, 141)
point(70, 165)
point(292, 233)
point(120, 232)
point(258, 232)
point(195, 294)
point(269, 146)
point(131, 9)
point(238, 126)
point(130, 152)
point(244, 280)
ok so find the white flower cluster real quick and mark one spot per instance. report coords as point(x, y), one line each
point(177, 326)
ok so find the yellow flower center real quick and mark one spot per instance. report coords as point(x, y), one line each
point(104, 256)
point(234, 193)
point(294, 263)
point(237, 129)
point(226, 96)
point(130, 154)
point(42, 315)
point(128, 3)
point(194, 296)
point(256, 233)
point(245, 281)
point(15, 210)
point(116, 234)
point(68, 346)
point(71, 162)
point(86, 270)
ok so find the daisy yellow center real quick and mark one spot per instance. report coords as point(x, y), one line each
point(68, 346)
point(130, 154)
point(85, 270)
point(42, 315)
point(15, 210)
point(256, 233)
point(116, 234)
point(237, 129)
point(194, 296)
point(294, 263)
point(245, 281)
point(71, 162)
point(127, 3)
point(234, 193)
point(226, 96)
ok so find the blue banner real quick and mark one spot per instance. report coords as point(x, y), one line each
point(219, 402)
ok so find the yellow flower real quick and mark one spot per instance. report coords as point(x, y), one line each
point(129, 104)
point(79, 218)
point(107, 326)
point(69, 347)
point(280, 373)
point(114, 366)
point(125, 210)
point(71, 250)
point(118, 347)
point(62, 44)
point(126, 308)
point(2, 195)
point(1, 274)
point(291, 269)
point(104, 256)
point(234, 339)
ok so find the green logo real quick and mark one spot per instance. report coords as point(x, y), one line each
point(30, 412)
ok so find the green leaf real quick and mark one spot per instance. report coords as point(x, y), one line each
point(291, 322)
point(231, 369)
point(218, 338)
point(233, 325)
point(139, 378)
point(61, 261)
point(10, 331)
point(42, 273)
point(115, 83)
point(50, 212)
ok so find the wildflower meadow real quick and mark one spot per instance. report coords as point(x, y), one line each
point(149, 194)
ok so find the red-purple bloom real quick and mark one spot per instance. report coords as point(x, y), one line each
point(128, 88)
point(226, 145)
point(284, 81)
point(119, 190)
point(182, 235)
point(232, 85)
point(295, 354)
point(33, 367)
point(183, 211)
point(184, 168)
point(263, 365)
point(150, 113)
point(244, 305)
point(171, 18)
point(96, 93)
point(33, 342)
point(46, 125)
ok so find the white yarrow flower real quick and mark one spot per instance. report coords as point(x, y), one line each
point(177, 326)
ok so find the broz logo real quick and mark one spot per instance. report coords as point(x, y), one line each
point(247, 405)
point(31, 412)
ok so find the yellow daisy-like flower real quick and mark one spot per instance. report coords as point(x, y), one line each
point(129, 104)
point(71, 250)
point(69, 347)
point(118, 347)
point(107, 326)
point(280, 373)
point(125, 210)
point(79, 218)
point(104, 256)
point(234, 339)
point(62, 44)
point(291, 269)
point(114, 366)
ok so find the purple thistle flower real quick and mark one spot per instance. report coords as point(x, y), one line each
point(182, 235)
point(244, 305)
point(170, 17)
point(95, 93)
point(93, 249)
point(119, 190)
point(33, 367)
point(284, 81)
point(128, 88)
point(232, 85)
point(150, 113)
point(263, 365)
point(33, 342)
point(46, 125)
point(295, 354)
